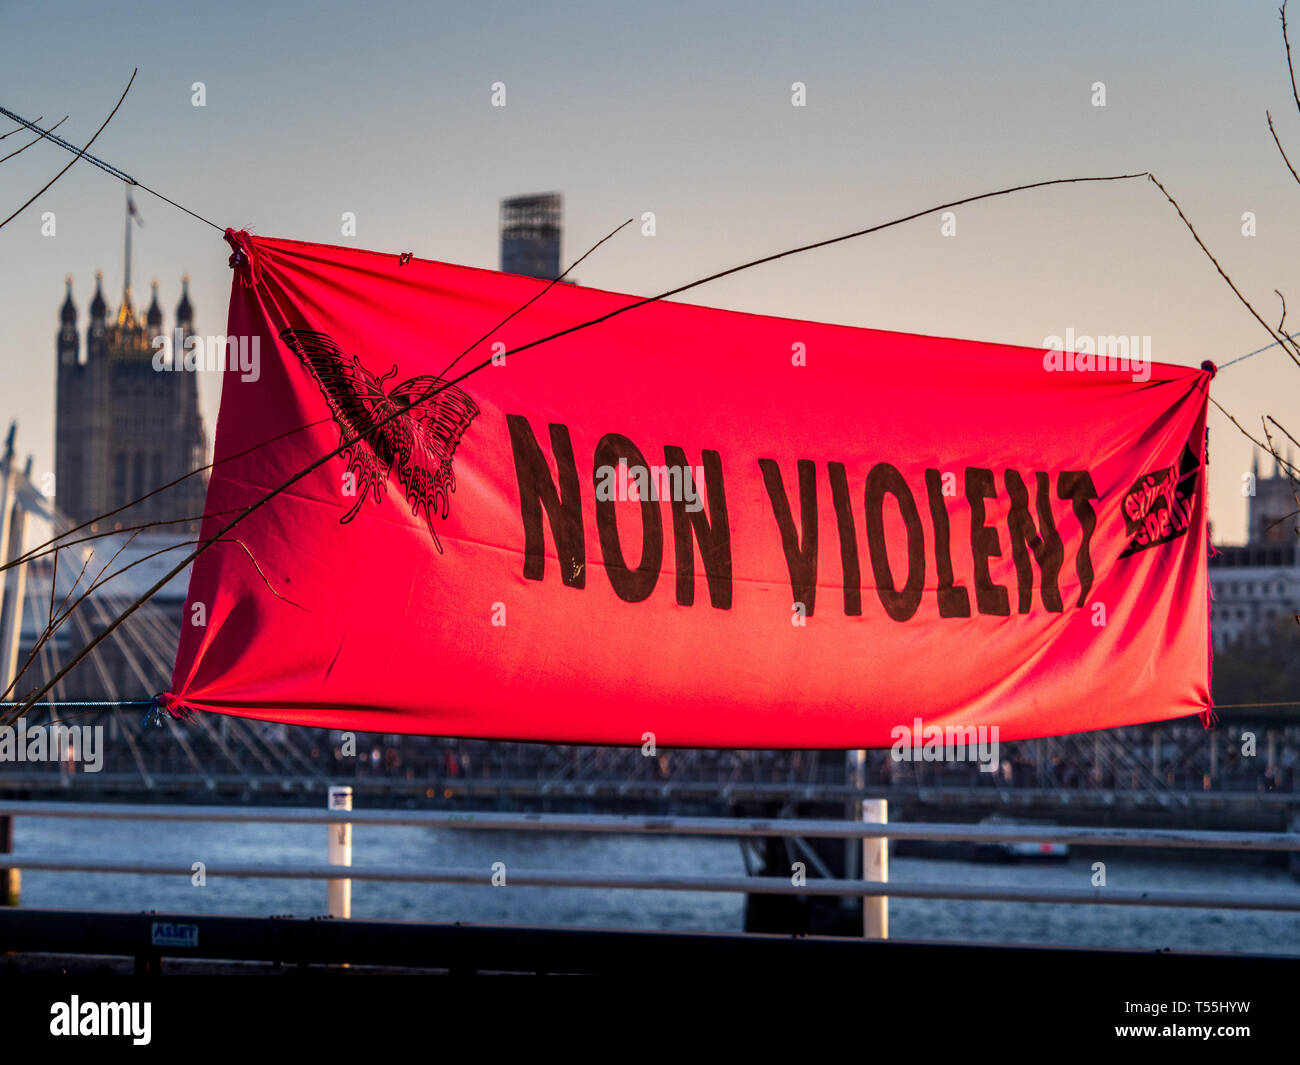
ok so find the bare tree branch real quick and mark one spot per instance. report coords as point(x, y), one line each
point(77, 156)
point(19, 151)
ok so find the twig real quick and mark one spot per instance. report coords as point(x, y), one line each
point(1287, 344)
point(19, 151)
point(1281, 150)
point(19, 128)
point(44, 550)
point(1289, 65)
point(519, 310)
point(78, 156)
point(1295, 488)
point(32, 553)
point(1282, 429)
point(1243, 432)
point(108, 168)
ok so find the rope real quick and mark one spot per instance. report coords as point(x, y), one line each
point(107, 167)
point(1252, 354)
point(80, 154)
point(106, 703)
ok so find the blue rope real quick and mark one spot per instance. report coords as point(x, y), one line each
point(137, 702)
point(153, 714)
point(1249, 354)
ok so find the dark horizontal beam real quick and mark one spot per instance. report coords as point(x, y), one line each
point(494, 948)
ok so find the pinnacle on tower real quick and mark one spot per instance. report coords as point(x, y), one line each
point(98, 308)
point(68, 314)
point(155, 315)
point(68, 343)
point(184, 312)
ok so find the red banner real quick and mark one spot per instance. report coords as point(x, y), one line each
point(709, 528)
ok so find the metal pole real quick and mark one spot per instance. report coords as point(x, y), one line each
point(15, 583)
point(10, 879)
point(855, 772)
point(126, 286)
point(340, 852)
point(7, 499)
point(875, 869)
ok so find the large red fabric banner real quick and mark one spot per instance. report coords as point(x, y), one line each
point(705, 527)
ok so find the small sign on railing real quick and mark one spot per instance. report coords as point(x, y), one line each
point(171, 934)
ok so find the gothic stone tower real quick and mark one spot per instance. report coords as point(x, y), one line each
point(123, 428)
point(1273, 518)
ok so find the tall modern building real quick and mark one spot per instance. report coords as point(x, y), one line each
point(123, 428)
point(530, 235)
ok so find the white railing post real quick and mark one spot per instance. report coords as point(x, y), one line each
point(340, 852)
point(10, 612)
point(15, 591)
point(875, 869)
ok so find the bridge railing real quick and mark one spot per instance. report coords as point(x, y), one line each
point(875, 888)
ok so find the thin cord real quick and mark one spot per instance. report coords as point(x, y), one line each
point(108, 168)
point(39, 118)
point(100, 703)
point(1251, 354)
point(19, 151)
point(49, 135)
point(519, 310)
point(41, 191)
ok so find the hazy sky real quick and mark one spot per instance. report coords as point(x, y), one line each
point(684, 109)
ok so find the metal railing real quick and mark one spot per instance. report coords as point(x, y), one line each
point(874, 890)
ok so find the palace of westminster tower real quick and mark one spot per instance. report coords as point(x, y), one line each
point(123, 428)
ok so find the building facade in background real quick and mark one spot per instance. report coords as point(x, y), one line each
point(122, 428)
point(1256, 585)
point(530, 235)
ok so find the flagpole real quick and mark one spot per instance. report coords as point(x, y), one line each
point(126, 288)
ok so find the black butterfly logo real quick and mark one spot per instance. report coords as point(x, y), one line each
point(412, 429)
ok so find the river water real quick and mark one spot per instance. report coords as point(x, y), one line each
point(1113, 926)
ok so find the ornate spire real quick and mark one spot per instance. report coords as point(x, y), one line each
point(155, 315)
point(68, 314)
point(184, 312)
point(98, 308)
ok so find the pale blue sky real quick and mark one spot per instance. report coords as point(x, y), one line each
point(684, 109)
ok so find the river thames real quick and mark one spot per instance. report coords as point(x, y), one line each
point(419, 848)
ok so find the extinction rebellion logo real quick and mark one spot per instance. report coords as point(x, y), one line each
point(1160, 505)
point(411, 429)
